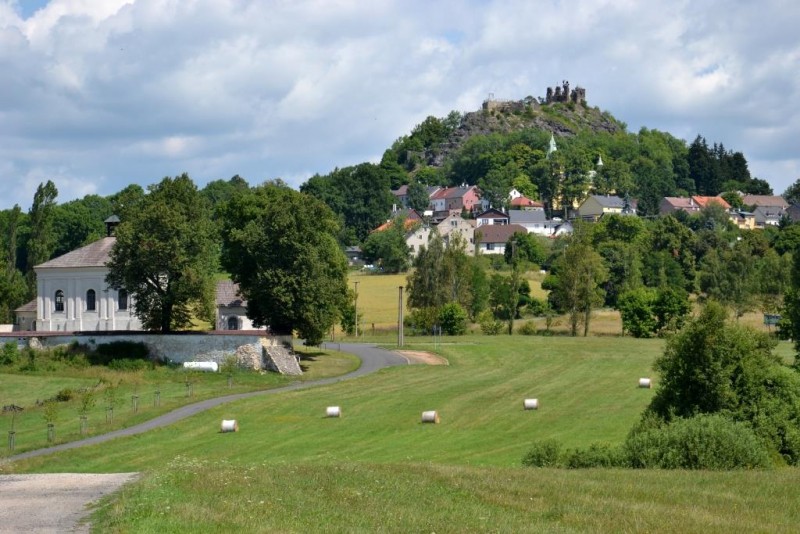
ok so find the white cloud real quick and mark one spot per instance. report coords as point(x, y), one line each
point(101, 94)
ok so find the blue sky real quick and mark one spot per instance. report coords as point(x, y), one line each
point(100, 94)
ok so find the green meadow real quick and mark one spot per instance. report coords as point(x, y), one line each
point(377, 468)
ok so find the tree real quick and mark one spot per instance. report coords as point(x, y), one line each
point(42, 241)
point(418, 198)
point(712, 366)
point(280, 247)
point(388, 247)
point(636, 310)
point(165, 255)
point(525, 247)
point(579, 274)
point(792, 193)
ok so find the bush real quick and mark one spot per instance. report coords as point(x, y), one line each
point(422, 319)
point(700, 442)
point(119, 350)
point(545, 453)
point(489, 325)
point(453, 319)
point(10, 354)
point(128, 365)
point(597, 455)
point(65, 395)
point(527, 329)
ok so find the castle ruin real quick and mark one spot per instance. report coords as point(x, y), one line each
point(563, 94)
point(560, 93)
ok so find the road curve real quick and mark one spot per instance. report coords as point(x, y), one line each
point(372, 359)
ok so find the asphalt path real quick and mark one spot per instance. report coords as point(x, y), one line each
point(372, 359)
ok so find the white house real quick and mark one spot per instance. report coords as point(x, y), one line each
point(492, 217)
point(535, 222)
point(416, 238)
point(492, 238)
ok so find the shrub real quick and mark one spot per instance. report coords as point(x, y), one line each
point(527, 329)
point(700, 442)
point(423, 319)
point(597, 455)
point(10, 353)
point(64, 395)
point(119, 350)
point(453, 319)
point(489, 325)
point(545, 453)
point(128, 365)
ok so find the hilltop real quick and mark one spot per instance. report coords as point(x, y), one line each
point(563, 116)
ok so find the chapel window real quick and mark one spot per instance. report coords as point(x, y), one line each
point(122, 299)
point(59, 301)
point(233, 323)
point(91, 300)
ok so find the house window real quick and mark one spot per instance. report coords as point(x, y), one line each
point(233, 323)
point(122, 299)
point(454, 223)
point(59, 301)
point(489, 246)
point(91, 300)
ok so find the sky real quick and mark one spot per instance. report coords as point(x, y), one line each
point(99, 94)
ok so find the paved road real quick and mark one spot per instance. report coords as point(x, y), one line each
point(372, 359)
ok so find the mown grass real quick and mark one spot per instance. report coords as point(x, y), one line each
point(378, 468)
point(587, 389)
point(212, 496)
point(157, 391)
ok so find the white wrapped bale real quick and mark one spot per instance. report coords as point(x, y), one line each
point(431, 416)
point(211, 367)
point(530, 404)
point(333, 411)
point(645, 383)
point(229, 425)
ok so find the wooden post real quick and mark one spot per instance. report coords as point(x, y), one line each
point(400, 318)
point(355, 307)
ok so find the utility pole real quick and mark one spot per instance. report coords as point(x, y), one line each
point(355, 307)
point(400, 318)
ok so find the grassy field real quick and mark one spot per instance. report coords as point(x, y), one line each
point(25, 389)
point(378, 469)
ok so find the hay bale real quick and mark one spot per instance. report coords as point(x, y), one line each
point(211, 367)
point(530, 404)
point(333, 411)
point(229, 425)
point(645, 383)
point(431, 416)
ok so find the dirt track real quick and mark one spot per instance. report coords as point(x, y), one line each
point(53, 502)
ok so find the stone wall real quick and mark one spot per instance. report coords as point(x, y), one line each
point(249, 348)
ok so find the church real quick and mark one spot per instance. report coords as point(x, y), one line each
point(72, 295)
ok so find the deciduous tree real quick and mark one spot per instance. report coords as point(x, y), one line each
point(165, 255)
point(280, 247)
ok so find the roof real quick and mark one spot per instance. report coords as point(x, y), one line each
point(772, 201)
point(523, 216)
point(498, 233)
point(609, 201)
point(525, 202)
point(684, 203)
point(26, 308)
point(93, 255)
point(228, 295)
point(400, 191)
point(705, 201)
point(411, 218)
point(452, 192)
point(492, 213)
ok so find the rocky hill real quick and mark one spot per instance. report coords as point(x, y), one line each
point(563, 116)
